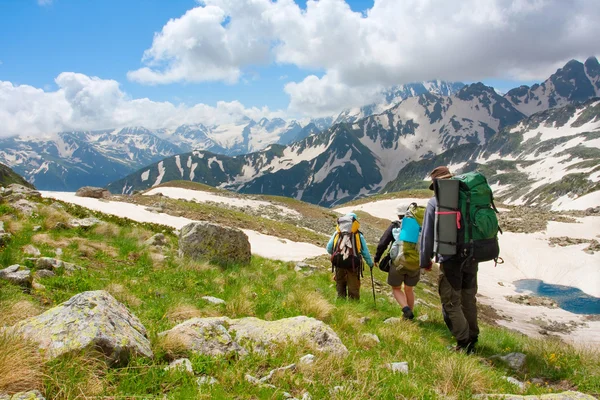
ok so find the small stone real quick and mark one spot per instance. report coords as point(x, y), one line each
point(53, 264)
point(372, 337)
point(515, 361)
point(37, 286)
point(37, 228)
point(4, 238)
point(182, 364)
point(213, 300)
point(60, 226)
point(401, 367)
point(307, 359)
point(158, 240)
point(257, 382)
point(268, 377)
point(423, 317)
point(31, 250)
point(1, 226)
point(43, 273)
point(538, 381)
point(306, 396)
point(206, 380)
point(392, 320)
point(17, 275)
point(338, 389)
point(58, 252)
point(515, 382)
point(365, 320)
point(84, 223)
point(287, 395)
point(500, 283)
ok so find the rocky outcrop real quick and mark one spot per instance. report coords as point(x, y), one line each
point(216, 243)
point(93, 192)
point(53, 264)
point(551, 396)
point(88, 320)
point(25, 207)
point(16, 192)
point(158, 240)
point(16, 274)
point(84, 223)
point(222, 335)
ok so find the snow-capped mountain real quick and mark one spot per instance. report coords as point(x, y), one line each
point(575, 82)
point(550, 159)
point(348, 160)
point(395, 95)
point(69, 160)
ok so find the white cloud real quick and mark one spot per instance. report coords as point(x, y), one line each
point(86, 103)
point(393, 42)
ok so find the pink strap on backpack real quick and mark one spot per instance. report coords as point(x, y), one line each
point(449, 213)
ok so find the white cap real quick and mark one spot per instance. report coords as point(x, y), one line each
point(401, 209)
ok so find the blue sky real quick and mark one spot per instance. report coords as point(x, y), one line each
point(78, 64)
point(107, 38)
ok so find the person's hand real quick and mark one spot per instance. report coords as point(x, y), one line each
point(428, 268)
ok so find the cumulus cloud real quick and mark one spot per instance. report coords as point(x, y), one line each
point(86, 103)
point(391, 43)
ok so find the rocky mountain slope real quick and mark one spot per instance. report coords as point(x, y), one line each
point(551, 159)
point(348, 160)
point(8, 177)
point(575, 82)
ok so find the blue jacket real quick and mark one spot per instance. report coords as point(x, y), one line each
point(364, 250)
point(427, 236)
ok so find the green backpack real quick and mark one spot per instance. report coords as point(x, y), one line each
point(478, 233)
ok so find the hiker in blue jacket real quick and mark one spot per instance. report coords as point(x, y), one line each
point(457, 281)
point(348, 274)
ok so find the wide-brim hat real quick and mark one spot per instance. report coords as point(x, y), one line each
point(439, 173)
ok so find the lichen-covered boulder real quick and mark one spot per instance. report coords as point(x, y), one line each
point(88, 320)
point(93, 192)
point(24, 206)
point(216, 243)
point(222, 335)
point(550, 396)
point(16, 274)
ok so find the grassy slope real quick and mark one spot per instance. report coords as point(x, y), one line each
point(164, 292)
point(8, 176)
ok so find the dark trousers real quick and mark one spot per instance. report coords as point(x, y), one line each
point(347, 283)
point(458, 288)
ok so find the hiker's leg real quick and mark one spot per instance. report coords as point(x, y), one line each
point(451, 304)
point(469, 300)
point(410, 296)
point(341, 282)
point(410, 281)
point(399, 296)
point(353, 285)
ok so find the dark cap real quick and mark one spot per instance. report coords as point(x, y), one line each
point(439, 173)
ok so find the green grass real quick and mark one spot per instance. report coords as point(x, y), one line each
point(164, 293)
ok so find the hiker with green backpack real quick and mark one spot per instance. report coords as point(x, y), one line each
point(460, 229)
point(402, 260)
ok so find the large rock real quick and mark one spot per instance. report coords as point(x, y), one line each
point(217, 243)
point(17, 275)
point(17, 192)
point(93, 192)
point(551, 396)
point(515, 361)
point(88, 320)
point(222, 335)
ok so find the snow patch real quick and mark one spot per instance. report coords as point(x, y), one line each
point(145, 175)
point(178, 163)
point(161, 173)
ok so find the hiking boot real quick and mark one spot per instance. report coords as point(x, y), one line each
point(462, 346)
point(471, 346)
point(407, 313)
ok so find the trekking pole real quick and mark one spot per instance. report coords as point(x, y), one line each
point(373, 287)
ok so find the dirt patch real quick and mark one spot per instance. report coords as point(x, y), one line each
point(564, 241)
point(86, 248)
point(529, 219)
point(548, 327)
point(532, 301)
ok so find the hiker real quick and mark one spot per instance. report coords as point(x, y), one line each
point(348, 249)
point(397, 276)
point(461, 228)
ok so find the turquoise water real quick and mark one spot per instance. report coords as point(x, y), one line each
point(567, 297)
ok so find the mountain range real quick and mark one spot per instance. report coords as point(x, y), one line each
point(474, 127)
